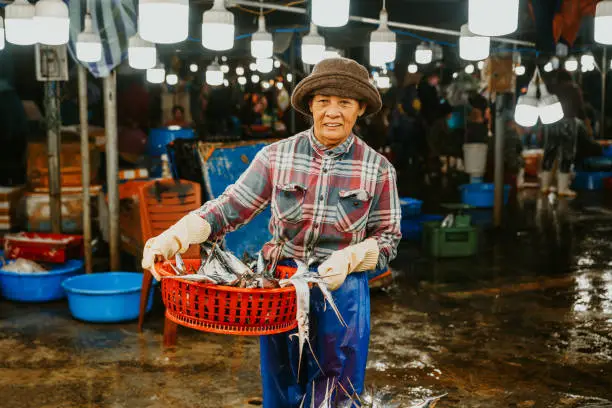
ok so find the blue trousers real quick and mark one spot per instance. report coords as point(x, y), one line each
point(342, 352)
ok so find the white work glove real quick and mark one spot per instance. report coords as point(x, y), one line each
point(354, 258)
point(191, 229)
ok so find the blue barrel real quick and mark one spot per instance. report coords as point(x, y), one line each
point(39, 286)
point(158, 140)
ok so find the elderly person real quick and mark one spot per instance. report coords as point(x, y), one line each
point(334, 205)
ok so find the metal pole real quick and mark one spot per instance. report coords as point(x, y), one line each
point(293, 81)
point(500, 127)
point(604, 76)
point(85, 173)
point(112, 166)
point(53, 153)
point(374, 21)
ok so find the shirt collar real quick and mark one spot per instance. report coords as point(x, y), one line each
point(333, 152)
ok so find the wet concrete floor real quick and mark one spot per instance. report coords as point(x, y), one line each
point(527, 323)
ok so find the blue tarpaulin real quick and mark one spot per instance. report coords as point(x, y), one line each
point(223, 168)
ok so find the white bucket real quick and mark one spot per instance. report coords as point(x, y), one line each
point(475, 158)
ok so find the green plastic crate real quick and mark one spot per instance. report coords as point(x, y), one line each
point(449, 242)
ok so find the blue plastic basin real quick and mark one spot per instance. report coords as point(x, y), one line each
point(105, 297)
point(39, 286)
point(481, 195)
point(410, 207)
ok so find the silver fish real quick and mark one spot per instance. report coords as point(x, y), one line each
point(430, 402)
point(232, 264)
point(180, 265)
point(313, 277)
point(191, 277)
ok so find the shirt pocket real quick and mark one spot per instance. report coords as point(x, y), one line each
point(352, 210)
point(288, 201)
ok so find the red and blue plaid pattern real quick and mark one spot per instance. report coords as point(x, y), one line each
point(322, 199)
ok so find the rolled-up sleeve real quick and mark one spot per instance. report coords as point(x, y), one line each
point(385, 215)
point(241, 201)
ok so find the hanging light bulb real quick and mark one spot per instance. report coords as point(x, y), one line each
point(242, 80)
point(331, 53)
point(89, 44)
point(193, 67)
point(469, 69)
point(239, 71)
point(225, 68)
point(584, 69)
point(313, 46)
point(264, 65)
point(172, 79)
point(19, 23)
point(334, 13)
point(156, 74)
point(142, 53)
point(548, 67)
point(277, 64)
point(519, 70)
point(423, 54)
point(587, 59)
point(473, 47)
point(526, 112)
point(551, 110)
point(603, 22)
point(571, 64)
point(265, 85)
point(225, 83)
point(289, 77)
point(253, 66)
point(1, 33)
point(413, 68)
point(218, 27)
point(383, 82)
point(493, 18)
point(455, 75)
point(279, 85)
point(261, 41)
point(383, 46)
point(52, 22)
point(480, 65)
point(214, 75)
point(556, 62)
point(254, 78)
point(163, 21)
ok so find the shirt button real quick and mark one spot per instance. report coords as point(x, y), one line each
point(321, 197)
point(316, 225)
point(324, 170)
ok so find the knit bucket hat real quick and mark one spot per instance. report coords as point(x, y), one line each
point(341, 77)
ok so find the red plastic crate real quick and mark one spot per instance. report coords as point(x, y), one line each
point(43, 247)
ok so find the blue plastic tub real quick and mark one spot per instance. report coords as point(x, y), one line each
point(411, 207)
point(412, 228)
point(40, 286)
point(105, 297)
point(607, 151)
point(481, 195)
point(590, 180)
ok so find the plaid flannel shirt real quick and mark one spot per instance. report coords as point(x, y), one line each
point(322, 199)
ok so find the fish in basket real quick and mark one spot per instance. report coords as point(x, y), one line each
point(221, 294)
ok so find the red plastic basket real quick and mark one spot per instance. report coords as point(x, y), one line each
point(43, 247)
point(224, 309)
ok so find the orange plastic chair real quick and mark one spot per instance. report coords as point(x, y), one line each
point(163, 203)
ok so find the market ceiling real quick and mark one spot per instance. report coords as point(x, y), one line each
point(447, 14)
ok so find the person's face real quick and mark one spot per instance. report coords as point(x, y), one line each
point(178, 114)
point(334, 118)
point(434, 80)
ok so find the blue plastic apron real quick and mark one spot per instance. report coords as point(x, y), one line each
point(341, 352)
